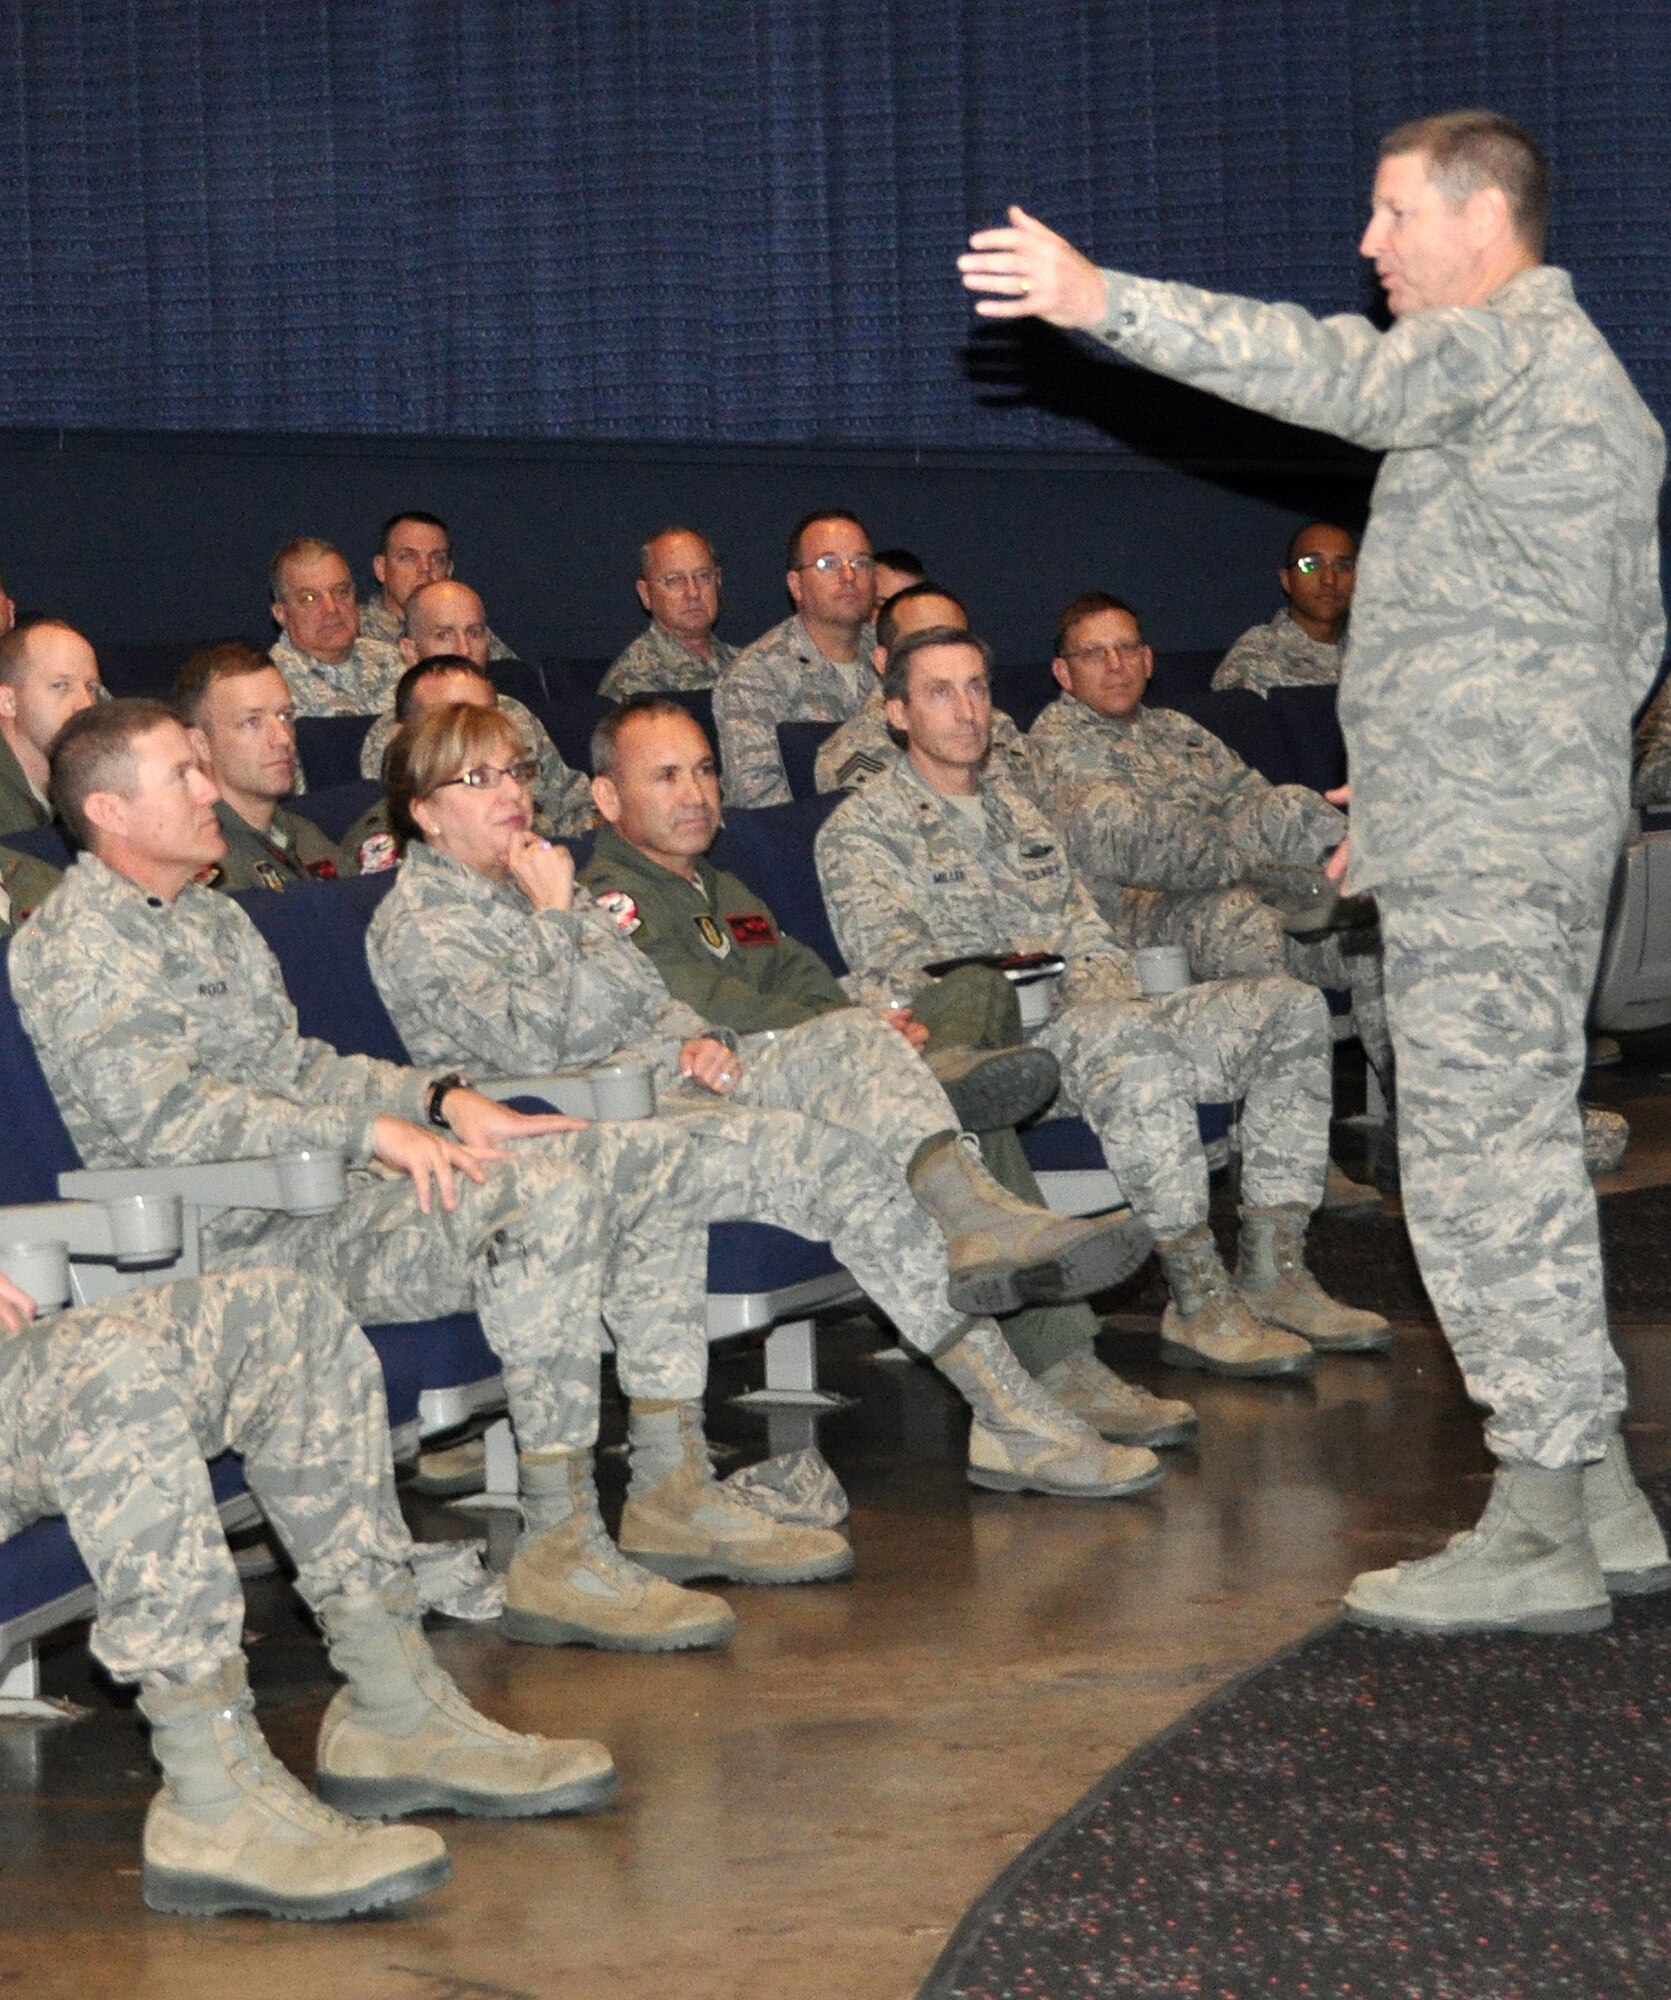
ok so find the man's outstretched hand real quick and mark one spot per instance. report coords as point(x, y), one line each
point(1032, 273)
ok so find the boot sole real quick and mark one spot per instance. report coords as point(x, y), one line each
point(688, 1569)
point(1367, 1343)
point(1587, 1618)
point(1019, 1482)
point(179, 1895)
point(1637, 1582)
point(528, 1628)
point(1177, 1356)
point(1096, 1265)
point(1004, 1089)
point(1156, 1439)
point(395, 1798)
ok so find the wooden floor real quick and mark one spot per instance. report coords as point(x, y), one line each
point(809, 1813)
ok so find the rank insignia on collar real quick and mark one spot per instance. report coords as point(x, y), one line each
point(711, 935)
point(752, 927)
point(268, 874)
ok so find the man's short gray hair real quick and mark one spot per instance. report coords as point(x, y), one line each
point(305, 548)
point(661, 534)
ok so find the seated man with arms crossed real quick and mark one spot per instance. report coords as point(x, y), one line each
point(678, 584)
point(445, 621)
point(485, 952)
point(1304, 643)
point(720, 950)
point(166, 1035)
point(237, 706)
point(106, 1416)
point(934, 860)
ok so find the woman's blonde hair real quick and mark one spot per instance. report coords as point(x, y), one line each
point(440, 745)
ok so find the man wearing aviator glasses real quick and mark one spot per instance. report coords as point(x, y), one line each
point(814, 667)
point(678, 584)
point(1302, 645)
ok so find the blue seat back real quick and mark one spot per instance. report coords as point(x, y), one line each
point(38, 1147)
point(329, 747)
point(1242, 720)
point(46, 843)
point(1024, 693)
point(1181, 678)
point(519, 679)
point(1310, 727)
point(569, 718)
point(335, 808)
point(143, 670)
point(771, 849)
point(316, 931)
point(798, 744)
point(576, 673)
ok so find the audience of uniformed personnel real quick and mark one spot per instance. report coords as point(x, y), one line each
point(678, 585)
point(488, 954)
point(414, 548)
point(237, 705)
point(814, 667)
point(1303, 643)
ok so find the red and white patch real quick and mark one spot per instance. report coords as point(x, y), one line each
point(621, 911)
point(377, 853)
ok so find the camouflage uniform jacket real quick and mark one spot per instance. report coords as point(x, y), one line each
point(1507, 618)
point(656, 663)
point(25, 883)
point(782, 677)
point(562, 794)
point(1279, 654)
point(714, 942)
point(472, 974)
point(863, 749)
point(909, 878)
point(364, 683)
point(377, 621)
point(166, 1036)
point(21, 806)
point(293, 851)
point(1171, 785)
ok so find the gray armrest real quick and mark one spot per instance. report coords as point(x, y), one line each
point(311, 1183)
point(38, 1240)
point(613, 1090)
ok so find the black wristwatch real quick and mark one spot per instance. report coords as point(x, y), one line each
point(438, 1090)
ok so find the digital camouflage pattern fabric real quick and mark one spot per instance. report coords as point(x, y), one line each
point(655, 663)
point(862, 749)
point(363, 684)
point(1278, 654)
point(782, 677)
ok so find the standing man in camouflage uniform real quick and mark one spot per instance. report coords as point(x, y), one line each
point(935, 860)
point(678, 584)
point(447, 622)
point(238, 708)
point(1301, 645)
point(106, 1416)
point(814, 667)
point(485, 952)
point(331, 667)
point(413, 549)
point(165, 1034)
point(47, 674)
point(1506, 623)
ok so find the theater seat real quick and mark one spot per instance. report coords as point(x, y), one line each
point(798, 744)
point(329, 747)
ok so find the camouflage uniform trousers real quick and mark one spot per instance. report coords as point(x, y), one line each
point(108, 1413)
point(1136, 1069)
point(604, 1223)
point(1487, 989)
point(1231, 934)
point(826, 1180)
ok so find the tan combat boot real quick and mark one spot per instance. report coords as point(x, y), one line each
point(1022, 1440)
point(679, 1522)
point(232, 1830)
point(1624, 1530)
point(1206, 1325)
point(1006, 1253)
point(1123, 1411)
point(568, 1584)
point(1271, 1276)
point(1348, 1200)
point(1527, 1567)
point(400, 1737)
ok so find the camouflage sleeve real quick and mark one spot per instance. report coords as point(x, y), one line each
point(867, 889)
point(376, 742)
point(1413, 385)
point(126, 1048)
point(569, 993)
point(1248, 664)
point(1114, 835)
point(746, 725)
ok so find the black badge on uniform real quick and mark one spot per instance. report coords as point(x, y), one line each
point(711, 935)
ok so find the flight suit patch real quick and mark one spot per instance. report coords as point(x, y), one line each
point(268, 874)
point(621, 911)
point(711, 935)
point(752, 927)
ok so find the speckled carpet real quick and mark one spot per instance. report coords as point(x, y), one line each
point(1370, 1816)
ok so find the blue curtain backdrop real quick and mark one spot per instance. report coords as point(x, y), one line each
point(615, 219)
